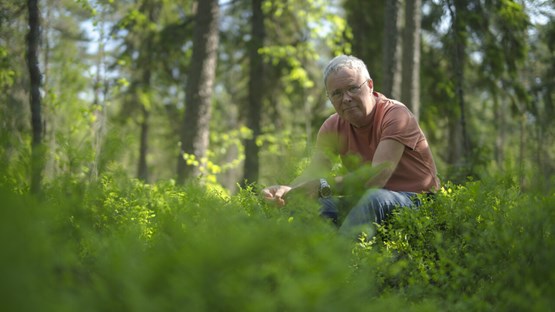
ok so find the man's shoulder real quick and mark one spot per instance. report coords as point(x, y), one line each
point(388, 103)
point(333, 123)
point(332, 120)
point(393, 109)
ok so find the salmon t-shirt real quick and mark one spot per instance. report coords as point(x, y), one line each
point(416, 171)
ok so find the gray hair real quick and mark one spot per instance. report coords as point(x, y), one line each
point(346, 61)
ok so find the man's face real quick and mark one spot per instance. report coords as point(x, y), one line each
point(351, 95)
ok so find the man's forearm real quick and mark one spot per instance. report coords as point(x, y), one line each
point(318, 168)
point(367, 176)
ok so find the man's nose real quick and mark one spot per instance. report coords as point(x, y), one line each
point(349, 97)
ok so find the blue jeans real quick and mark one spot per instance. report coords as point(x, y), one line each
point(373, 207)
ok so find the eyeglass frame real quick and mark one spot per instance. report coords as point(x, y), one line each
point(351, 90)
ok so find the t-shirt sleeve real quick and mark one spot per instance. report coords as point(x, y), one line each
point(400, 124)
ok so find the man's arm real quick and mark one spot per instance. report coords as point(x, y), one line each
point(319, 167)
point(308, 181)
point(386, 158)
point(387, 155)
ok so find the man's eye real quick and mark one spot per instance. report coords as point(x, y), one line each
point(336, 94)
point(353, 89)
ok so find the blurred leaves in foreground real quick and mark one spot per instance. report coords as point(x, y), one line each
point(123, 245)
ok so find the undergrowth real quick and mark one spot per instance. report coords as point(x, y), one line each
point(122, 245)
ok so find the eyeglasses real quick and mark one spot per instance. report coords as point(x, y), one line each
point(337, 95)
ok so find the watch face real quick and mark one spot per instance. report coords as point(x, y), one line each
point(325, 189)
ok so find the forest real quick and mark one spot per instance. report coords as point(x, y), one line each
point(135, 136)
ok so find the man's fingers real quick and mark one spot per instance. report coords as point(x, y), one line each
point(267, 194)
point(281, 191)
point(275, 193)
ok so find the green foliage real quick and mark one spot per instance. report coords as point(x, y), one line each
point(482, 246)
point(132, 246)
point(284, 154)
point(121, 244)
point(6, 72)
point(217, 161)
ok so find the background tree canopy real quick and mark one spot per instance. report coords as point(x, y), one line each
point(122, 86)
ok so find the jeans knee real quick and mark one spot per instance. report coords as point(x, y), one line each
point(382, 202)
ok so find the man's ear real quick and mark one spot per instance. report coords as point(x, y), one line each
point(371, 85)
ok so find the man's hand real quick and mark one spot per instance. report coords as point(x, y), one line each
point(276, 193)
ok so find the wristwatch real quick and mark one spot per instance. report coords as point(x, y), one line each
point(325, 189)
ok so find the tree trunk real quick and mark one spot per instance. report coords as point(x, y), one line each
point(256, 93)
point(146, 64)
point(392, 50)
point(410, 95)
point(455, 153)
point(37, 151)
point(459, 142)
point(500, 111)
point(522, 149)
point(195, 127)
point(142, 170)
point(99, 92)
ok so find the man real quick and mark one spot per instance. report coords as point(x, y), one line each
point(393, 162)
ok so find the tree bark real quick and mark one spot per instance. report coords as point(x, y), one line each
point(460, 146)
point(146, 63)
point(392, 50)
point(33, 38)
point(99, 92)
point(500, 111)
point(195, 128)
point(410, 94)
point(142, 170)
point(256, 93)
